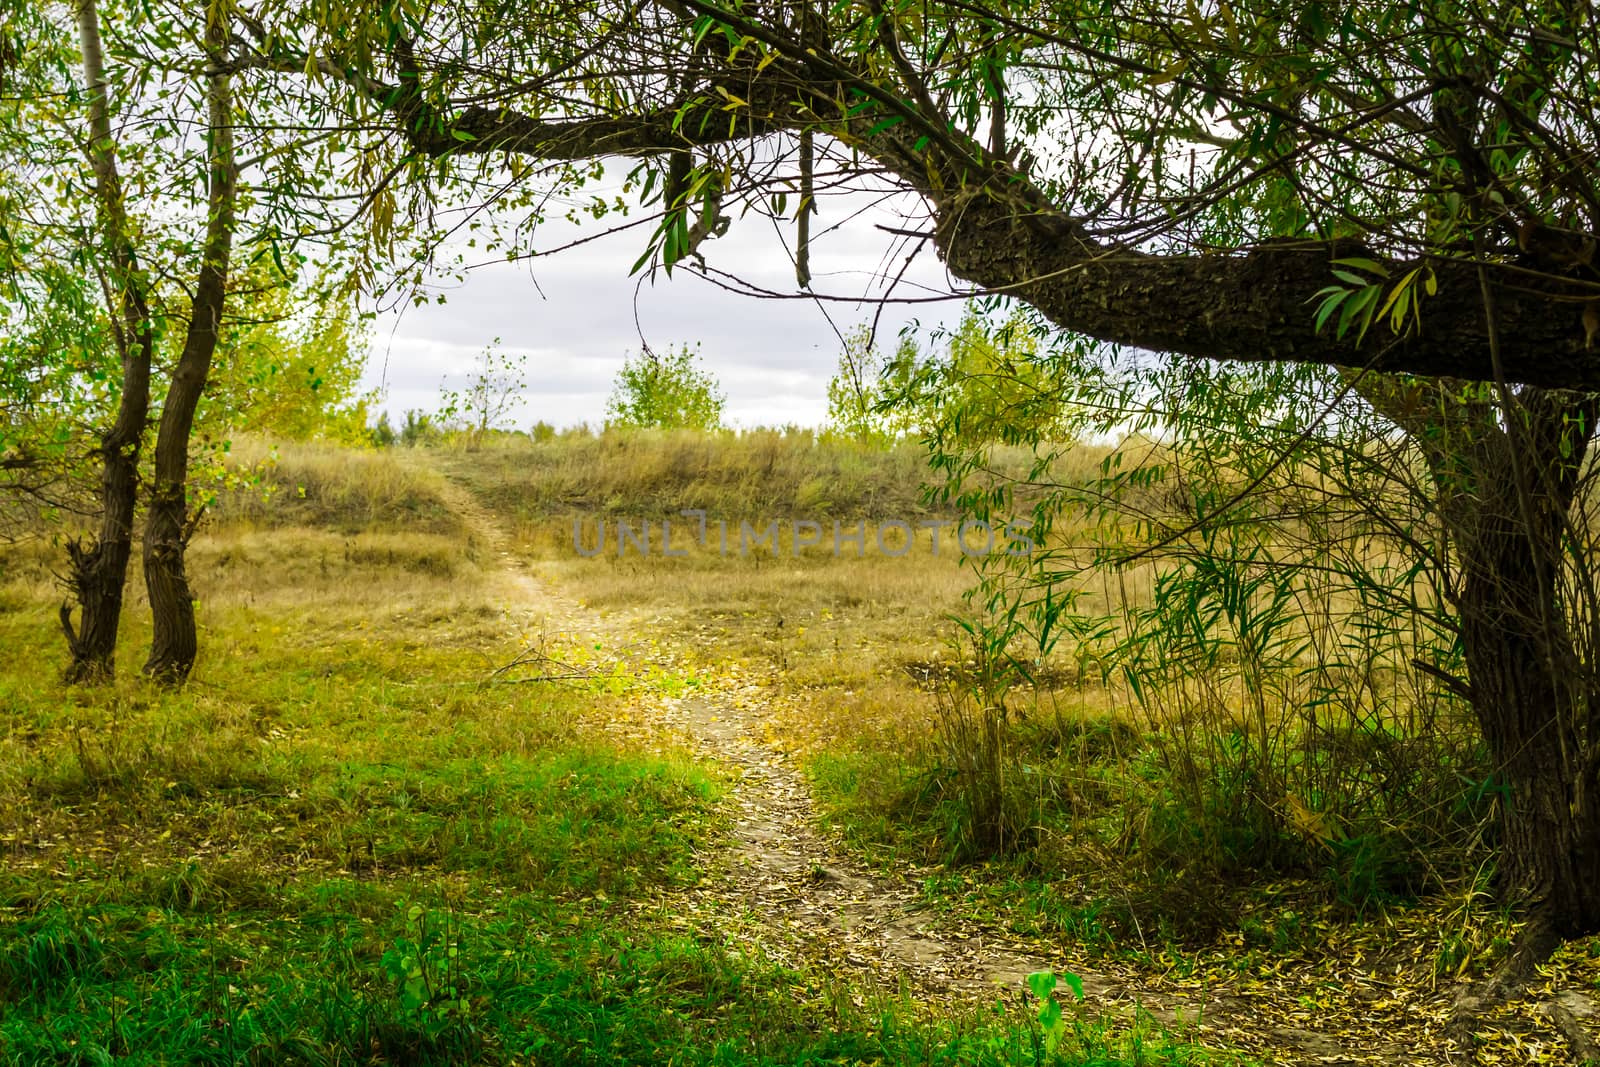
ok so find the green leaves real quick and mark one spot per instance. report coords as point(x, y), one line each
point(869, 396)
point(1404, 300)
point(1051, 1018)
point(1357, 301)
point(665, 391)
point(423, 963)
point(675, 236)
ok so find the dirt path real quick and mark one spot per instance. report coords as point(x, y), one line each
point(784, 890)
point(512, 585)
point(801, 899)
point(804, 900)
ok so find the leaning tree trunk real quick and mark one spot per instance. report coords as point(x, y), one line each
point(1532, 686)
point(98, 570)
point(1506, 475)
point(174, 643)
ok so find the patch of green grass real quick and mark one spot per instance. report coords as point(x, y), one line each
point(524, 981)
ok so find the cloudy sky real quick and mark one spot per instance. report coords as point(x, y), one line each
point(576, 315)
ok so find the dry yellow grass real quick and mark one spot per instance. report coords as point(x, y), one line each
point(370, 561)
point(329, 486)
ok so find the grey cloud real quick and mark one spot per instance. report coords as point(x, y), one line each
point(578, 314)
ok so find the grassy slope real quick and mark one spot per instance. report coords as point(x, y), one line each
point(337, 847)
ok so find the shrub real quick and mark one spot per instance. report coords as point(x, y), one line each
point(665, 392)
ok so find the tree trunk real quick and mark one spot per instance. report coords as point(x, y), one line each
point(98, 570)
point(174, 644)
point(1505, 477)
point(1506, 491)
point(1529, 702)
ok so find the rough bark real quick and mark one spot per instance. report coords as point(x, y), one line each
point(1531, 691)
point(1528, 703)
point(1505, 488)
point(1257, 305)
point(174, 643)
point(98, 569)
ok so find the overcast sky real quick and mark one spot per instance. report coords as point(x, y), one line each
point(577, 315)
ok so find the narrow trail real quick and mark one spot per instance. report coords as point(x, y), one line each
point(511, 585)
point(801, 897)
point(805, 900)
point(780, 888)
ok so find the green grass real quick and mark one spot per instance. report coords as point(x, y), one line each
point(528, 980)
point(337, 846)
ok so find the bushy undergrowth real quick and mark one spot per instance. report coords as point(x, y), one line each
point(1172, 826)
point(1219, 726)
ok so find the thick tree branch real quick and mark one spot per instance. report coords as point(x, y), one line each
point(1258, 305)
point(479, 129)
point(999, 232)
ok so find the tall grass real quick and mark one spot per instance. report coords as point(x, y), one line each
point(326, 486)
point(1238, 707)
point(734, 475)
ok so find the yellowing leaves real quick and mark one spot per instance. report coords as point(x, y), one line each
point(1359, 297)
point(1170, 73)
point(734, 102)
point(1311, 824)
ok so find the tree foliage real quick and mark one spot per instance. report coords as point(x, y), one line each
point(1090, 161)
point(993, 383)
point(491, 393)
point(862, 391)
point(982, 382)
point(291, 365)
point(141, 173)
point(665, 391)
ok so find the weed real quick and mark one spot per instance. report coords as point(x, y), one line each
point(425, 966)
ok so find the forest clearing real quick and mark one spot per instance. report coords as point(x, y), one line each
point(1005, 532)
